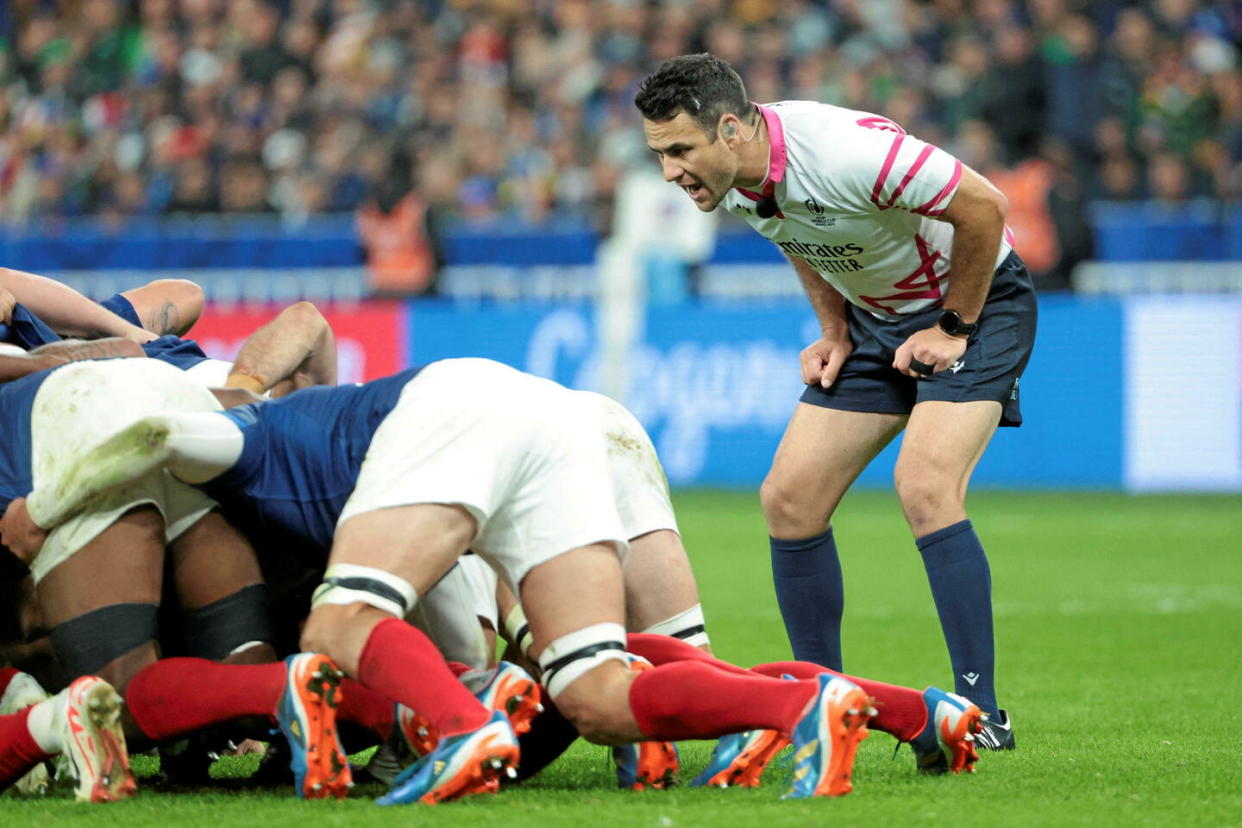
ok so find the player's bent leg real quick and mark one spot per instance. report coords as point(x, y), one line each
point(222, 594)
point(574, 604)
point(943, 443)
point(381, 560)
point(661, 595)
point(101, 602)
point(821, 454)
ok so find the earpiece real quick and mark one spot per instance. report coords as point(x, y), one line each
point(730, 130)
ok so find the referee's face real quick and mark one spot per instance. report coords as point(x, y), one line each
point(703, 168)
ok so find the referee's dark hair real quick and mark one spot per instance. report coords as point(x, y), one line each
point(703, 86)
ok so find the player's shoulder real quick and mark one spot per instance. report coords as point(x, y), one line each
point(809, 119)
point(826, 141)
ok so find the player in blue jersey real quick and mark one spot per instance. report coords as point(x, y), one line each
point(160, 307)
point(99, 575)
point(402, 475)
point(294, 350)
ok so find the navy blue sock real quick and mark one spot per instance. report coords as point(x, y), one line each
point(961, 584)
point(811, 595)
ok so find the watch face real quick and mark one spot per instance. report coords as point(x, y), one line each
point(952, 324)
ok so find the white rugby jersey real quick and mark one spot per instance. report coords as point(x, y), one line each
point(857, 198)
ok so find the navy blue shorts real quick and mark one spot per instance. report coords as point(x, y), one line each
point(990, 368)
point(123, 308)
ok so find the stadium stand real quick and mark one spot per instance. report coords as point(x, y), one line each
point(494, 113)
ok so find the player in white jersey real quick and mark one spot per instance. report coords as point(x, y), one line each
point(873, 221)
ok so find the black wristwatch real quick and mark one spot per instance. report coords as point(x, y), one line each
point(951, 323)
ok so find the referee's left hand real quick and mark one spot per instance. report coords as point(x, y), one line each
point(930, 346)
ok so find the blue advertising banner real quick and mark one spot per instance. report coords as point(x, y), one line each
point(714, 384)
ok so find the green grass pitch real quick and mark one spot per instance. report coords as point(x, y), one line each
point(1119, 623)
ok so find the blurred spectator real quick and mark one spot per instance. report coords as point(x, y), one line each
point(393, 226)
point(522, 111)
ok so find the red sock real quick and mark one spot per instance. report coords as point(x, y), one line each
point(900, 710)
point(362, 705)
point(664, 649)
point(6, 675)
point(402, 663)
point(19, 752)
point(177, 696)
point(691, 700)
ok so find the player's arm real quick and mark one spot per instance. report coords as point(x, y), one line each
point(297, 346)
point(66, 311)
point(14, 366)
point(822, 359)
point(72, 350)
point(977, 213)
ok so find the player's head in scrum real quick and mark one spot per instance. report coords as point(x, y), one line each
point(708, 135)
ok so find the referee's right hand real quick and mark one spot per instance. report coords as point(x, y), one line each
point(823, 358)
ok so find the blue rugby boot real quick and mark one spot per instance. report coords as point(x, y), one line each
point(826, 739)
point(461, 765)
point(947, 742)
point(307, 716)
point(739, 759)
point(513, 691)
point(643, 765)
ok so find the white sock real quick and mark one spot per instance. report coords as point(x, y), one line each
point(45, 725)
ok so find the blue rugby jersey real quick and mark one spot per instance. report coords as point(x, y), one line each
point(301, 458)
point(26, 330)
point(29, 332)
point(177, 352)
point(16, 402)
point(122, 307)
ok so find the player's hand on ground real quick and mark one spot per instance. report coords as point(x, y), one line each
point(20, 533)
point(932, 347)
point(822, 359)
point(7, 302)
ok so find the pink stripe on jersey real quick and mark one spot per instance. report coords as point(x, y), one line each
point(914, 168)
point(1008, 234)
point(778, 154)
point(926, 209)
point(883, 176)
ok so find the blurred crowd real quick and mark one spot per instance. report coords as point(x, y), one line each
point(518, 109)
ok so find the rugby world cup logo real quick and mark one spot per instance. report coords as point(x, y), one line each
point(817, 214)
